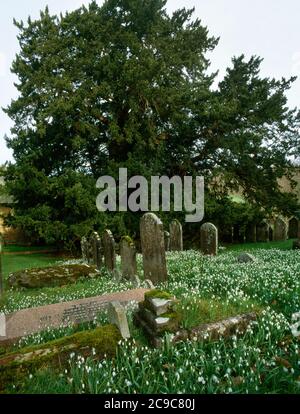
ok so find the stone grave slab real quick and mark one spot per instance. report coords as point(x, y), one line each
point(32, 320)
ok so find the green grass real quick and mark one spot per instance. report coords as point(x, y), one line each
point(13, 262)
point(264, 360)
point(281, 245)
point(19, 248)
point(194, 312)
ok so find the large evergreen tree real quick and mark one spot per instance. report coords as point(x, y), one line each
point(125, 84)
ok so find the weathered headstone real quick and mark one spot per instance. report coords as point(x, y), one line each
point(109, 250)
point(128, 258)
point(280, 229)
point(209, 239)
point(153, 248)
point(246, 258)
point(262, 232)
point(167, 240)
point(157, 315)
point(117, 316)
point(176, 241)
point(95, 242)
point(293, 228)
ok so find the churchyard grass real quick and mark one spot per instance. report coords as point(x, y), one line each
point(19, 261)
point(264, 360)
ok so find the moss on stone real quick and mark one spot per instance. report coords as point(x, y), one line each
point(158, 294)
point(51, 276)
point(128, 239)
point(55, 353)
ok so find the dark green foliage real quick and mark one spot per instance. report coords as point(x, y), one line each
point(126, 85)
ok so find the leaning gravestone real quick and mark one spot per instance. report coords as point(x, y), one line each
point(128, 258)
point(27, 321)
point(293, 228)
point(209, 239)
point(280, 229)
point(262, 232)
point(176, 242)
point(153, 248)
point(109, 250)
point(117, 316)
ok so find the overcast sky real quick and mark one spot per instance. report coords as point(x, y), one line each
point(267, 28)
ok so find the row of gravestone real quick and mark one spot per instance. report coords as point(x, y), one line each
point(101, 251)
point(278, 229)
point(154, 243)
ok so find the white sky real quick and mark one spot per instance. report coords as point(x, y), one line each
point(267, 28)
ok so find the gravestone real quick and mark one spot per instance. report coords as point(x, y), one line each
point(280, 229)
point(262, 232)
point(167, 240)
point(109, 250)
point(157, 315)
point(209, 239)
point(176, 241)
point(293, 228)
point(246, 258)
point(95, 242)
point(153, 248)
point(117, 316)
point(27, 321)
point(128, 258)
point(251, 233)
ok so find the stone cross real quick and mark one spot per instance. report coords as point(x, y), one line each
point(153, 248)
point(176, 242)
point(128, 258)
point(280, 229)
point(209, 239)
point(109, 250)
